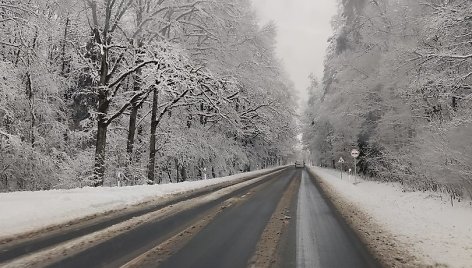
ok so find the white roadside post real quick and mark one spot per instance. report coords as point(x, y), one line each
point(205, 173)
point(355, 154)
point(341, 160)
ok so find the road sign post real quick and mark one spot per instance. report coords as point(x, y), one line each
point(341, 160)
point(355, 166)
point(355, 154)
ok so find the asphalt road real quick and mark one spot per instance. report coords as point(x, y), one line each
point(231, 238)
point(322, 237)
point(120, 249)
point(316, 236)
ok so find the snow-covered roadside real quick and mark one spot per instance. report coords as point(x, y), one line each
point(434, 232)
point(22, 212)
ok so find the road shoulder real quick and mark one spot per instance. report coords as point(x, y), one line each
point(383, 246)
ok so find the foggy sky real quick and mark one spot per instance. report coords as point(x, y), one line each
point(303, 28)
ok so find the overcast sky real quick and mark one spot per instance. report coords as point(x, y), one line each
point(303, 28)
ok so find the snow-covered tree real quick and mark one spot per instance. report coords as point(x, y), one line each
point(96, 91)
point(397, 86)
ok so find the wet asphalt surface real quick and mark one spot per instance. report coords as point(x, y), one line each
point(323, 239)
point(316, 236)
point(122, 248)
point(231, 238)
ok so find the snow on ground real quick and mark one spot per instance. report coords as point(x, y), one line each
point(434, 231)
point(28, 211)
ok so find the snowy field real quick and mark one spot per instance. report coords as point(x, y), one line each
point(27, 211)
point(433, 231)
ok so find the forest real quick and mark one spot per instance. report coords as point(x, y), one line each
point(397, 85)
point(125, 92)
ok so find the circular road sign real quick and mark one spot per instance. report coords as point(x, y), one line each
point(355, 153)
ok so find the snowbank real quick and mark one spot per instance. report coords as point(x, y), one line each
point(434, 232)
point(28, 211)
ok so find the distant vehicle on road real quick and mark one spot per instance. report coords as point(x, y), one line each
point(299, 164)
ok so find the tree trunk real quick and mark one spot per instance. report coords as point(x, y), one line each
point(184, 173)
point(103, 105)
point(177, 169)
point(169, 175)
point(152, 139)
point(29, 91)
point(132, 129)
point(100, 147)
point(134, 106)
point(64, 61)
